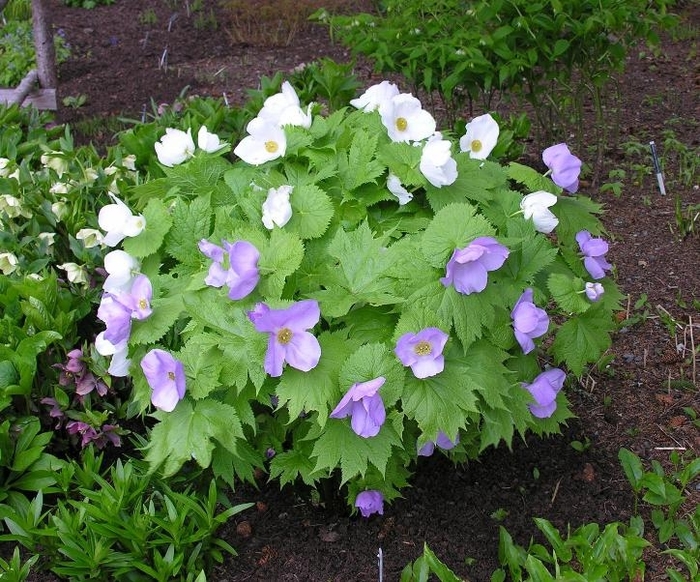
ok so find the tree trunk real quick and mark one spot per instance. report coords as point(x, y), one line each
point(43, 44)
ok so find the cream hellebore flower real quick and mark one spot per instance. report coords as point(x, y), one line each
point(75, 273)
point(376, 97)
point(129, 162)
point(266, 142)
point(59, 188)
point(121, 268)
point(535, 206)
point(56, 161)
point(393, 183)
point(47, 237)
point(436, 162)
point(480, 138)
point(207, 141)
point(12, 206)
point(8, 263)
point(118, 222)
point(4, 167)
point(406, 120)
point(175, 147)
point(277, 209)
point(60, 209)
point(91, 237)
point(284, 108)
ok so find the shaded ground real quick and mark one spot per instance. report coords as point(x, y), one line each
point(636, 400)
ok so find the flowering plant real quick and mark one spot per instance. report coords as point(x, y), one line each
point(302, 319)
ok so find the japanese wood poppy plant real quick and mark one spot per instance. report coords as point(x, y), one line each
point(279, 299)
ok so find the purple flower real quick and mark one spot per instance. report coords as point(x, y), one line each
point(365, 406)
point(138, 298)
point(594, 291)
point(593, 250)
point(565, 166)
point(442, 441)
point(87, 432)
point(289, 339)
point(242, 275)
point(422, 351)
point(529, 321)
point(468, 268)
point(166, 377)
point(544, 390)
point(87, 382)
point(116, 317)
point(369, 502)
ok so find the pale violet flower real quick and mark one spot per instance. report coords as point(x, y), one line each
point(594, 291)
point(175, 147)
point(121, 268)
point(74, 273)
point(91, 237)
point(120, 362)
point(468, 268)
point(406, 120)
point(436, 162)
point(422, 352)
point(593, 250)
point(529, 321)
point(209, 142)
point(283, 108)
point(277, 210)
point(369, 502)
point(265, 142)
point(393, 183)
point(242, 274)
point(8, 263)
point(166, 377)
point(442, 441)
point(544, 390)
point(563, 165)
point(376, 97)
point(536, 206)
point(364, 405)
point(118, 222)
point(480, 138)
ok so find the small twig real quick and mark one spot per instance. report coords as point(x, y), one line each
point(163, 59)
point(172, 19)
point(380, 563)
point(629, 303)
point(225, 99)
point(556, 490)
point(669, 436)
point(670, 449)
point(692, 349)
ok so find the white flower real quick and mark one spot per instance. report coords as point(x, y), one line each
point(75, 273)
point(121, 268)
point(174, 147)
point(436, 162)
point(119, 365)
point(209, 142)
point(266, 142)
point(60, 209)
point(8, 263)
point(376, 97)
point(284, 109)
point(59, 188)
point(4, 165)
point(91, 237)
point(406, 120)
point(90, 176)
point(535, 206)
point(129, 162)
point(47, 237)
point(118, 222)
point(481, 137)
point(394, 184)
point(276, 209)
point(55, 161)
point(12, 206)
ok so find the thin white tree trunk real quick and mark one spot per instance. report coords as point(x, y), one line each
point(43, 45)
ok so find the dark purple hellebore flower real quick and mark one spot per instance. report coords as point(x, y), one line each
point(468, 268)
point(289, 339)
point(422, 351)
point(369, 502)
point(565, 166)
point(116, 317)
point(242, 275)
point(88, 433)
point(544, 390)
point(166, 377)
point(529, 321)
point(593, 250)
point(87, 382)
point(442, 441)
point(365, 405)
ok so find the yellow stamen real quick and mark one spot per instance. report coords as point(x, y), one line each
point(271, 146)
point(476, 145)
point(143, 304)
point(284, 336)
point(401, 124)
point(423, 348)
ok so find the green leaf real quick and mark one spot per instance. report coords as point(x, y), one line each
point(191, 223)
point(312, 211)
point(567, 293)
point(278, 260)
point(372, 361)
point(166, 312)
point(292, 465)
point(362, 155)
point(531, 178)
point(158, 223)
point(582, 339)
point(203, 363)
point(576, 214)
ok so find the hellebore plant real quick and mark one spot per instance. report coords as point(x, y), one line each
point(360, 265)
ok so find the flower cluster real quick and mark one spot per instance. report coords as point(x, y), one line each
point(76, 373)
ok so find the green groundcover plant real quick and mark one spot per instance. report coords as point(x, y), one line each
point(351, 292)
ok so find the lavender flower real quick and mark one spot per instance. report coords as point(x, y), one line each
point(593, 250)
point(138, 299)
point(594, 291)
point(565, 166)
point(529, 321)
point(369, 502)
point(544, 390)
point(166, 377)
point(467, 270)
point(116, 317)
point(423, 351)
point(442, 441)
point(289, 339)
point(365, 405)
point(242, 275)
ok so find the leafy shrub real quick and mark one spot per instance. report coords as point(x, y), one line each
point(87, 4)
point(17, 51)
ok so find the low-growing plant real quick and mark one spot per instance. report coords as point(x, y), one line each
point(14, 570)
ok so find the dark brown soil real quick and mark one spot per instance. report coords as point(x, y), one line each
point(636, 400)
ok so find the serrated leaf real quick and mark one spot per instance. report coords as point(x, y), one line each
point(402, 160)
point(476, 182)
point(576, 213)
point(567, 293)
point(278, 260)
point(191, 223)
point(312, 211)
point(582, 339)
point(158, 223)
point(453, 227)
point(531, 178)
point(362, 155)
point(292, 465)
point(371, 361)
point(203, 363)
point(166, 311)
